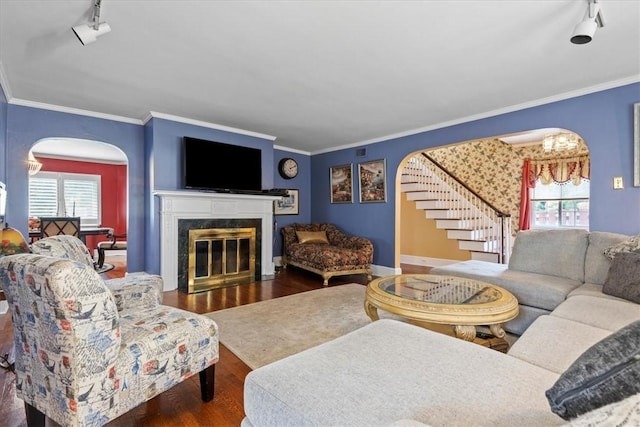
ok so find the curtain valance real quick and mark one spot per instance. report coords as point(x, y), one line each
point(572, 169)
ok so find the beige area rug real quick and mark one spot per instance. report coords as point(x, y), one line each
point(266, 331)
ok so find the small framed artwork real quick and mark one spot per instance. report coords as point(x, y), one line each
point(636, 145)
point(341, 183)
point(287, 205)
point(373, 181)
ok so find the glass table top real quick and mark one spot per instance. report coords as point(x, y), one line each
point(440, 289)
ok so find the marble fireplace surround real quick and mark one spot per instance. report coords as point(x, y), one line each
point(212, 209)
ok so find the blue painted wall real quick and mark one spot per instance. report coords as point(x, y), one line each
point(3, 135)
point(603, 119)
point(301, 183)
point(28, 125)
point(163, 152)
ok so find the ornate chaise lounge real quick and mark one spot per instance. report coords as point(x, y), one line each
point(325, 250)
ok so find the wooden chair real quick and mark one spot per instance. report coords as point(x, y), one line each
point(56, 225)
point(111, 245)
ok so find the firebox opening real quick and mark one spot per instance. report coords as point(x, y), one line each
point(220, 257)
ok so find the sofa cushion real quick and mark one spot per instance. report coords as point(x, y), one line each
point(605, 313)
point(558, 253)
point(532, 289)
point(390, 370)
point(607, 372)
point(327, 257)
point(623, 279)
point(623, 413)
point(555, 343)
point(312, 237)
point(592, 290)
point(596, 264)
point(631, 244)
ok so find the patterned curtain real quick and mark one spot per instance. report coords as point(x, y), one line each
point(572, 169)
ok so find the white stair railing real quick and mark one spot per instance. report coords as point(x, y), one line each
point(486, 223)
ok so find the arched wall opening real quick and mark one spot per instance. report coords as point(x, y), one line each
point(490, 167)
point(91, 157)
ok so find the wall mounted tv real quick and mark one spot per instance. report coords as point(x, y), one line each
point(216, 166)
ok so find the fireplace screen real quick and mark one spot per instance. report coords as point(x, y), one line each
point(221, 257)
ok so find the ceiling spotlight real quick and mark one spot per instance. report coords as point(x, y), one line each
point(584, 31)
point(89, 33)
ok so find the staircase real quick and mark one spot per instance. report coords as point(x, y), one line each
point(475, 224)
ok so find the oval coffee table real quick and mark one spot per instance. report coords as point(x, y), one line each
point(426, 298)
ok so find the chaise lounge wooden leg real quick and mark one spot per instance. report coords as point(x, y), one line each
point(35, 418)
point(207, 383)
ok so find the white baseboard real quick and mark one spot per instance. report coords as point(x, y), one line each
point(426, 261)
point(381, 270)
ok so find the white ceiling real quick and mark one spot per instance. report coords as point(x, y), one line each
point(314, 74)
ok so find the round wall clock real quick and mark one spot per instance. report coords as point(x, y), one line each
point(288, 168)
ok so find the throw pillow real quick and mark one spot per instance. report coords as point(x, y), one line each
point(629, 245)
point(623, 279)
point(312, 237)
point(607, 372)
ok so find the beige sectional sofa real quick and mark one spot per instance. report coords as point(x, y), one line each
point(544, 269)
point(393, 373)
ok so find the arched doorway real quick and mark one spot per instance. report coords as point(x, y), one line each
point(490, 167)
point(82, 166)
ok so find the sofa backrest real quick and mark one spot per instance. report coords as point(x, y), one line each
point(559, 253)
point(596, 265)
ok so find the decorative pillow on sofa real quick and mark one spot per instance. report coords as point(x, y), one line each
point(312, 237)
point(630, 245)
point(623, 279)
point(607, 372)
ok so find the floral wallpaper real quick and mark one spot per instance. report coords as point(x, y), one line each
point(493, 169)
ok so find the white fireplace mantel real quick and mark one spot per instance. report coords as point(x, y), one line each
point(176, 205)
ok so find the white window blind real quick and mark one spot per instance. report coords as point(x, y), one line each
point(560, 205)
point(66, 194)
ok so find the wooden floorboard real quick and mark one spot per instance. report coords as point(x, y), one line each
point(181, 405)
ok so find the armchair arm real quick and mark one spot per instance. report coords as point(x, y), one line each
point(136, 291)
point(360, 244)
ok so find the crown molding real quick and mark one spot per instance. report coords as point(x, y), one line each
point(70, 110)
point(291, 150)
point(155, 114)
point(4, 83)
point(542, 101)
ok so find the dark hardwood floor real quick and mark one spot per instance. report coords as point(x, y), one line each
point(181, 405)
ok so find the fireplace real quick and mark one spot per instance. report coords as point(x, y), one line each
point(218, 252)
point(182, 211)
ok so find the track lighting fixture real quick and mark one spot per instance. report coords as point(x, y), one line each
point(89, 33)
point(584, 31)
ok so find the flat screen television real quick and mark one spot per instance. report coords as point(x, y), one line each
point(215, 166)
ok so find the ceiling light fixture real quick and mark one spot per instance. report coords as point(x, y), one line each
point(88, 34)
point(33, 165)
point(584, 31)
point(560, 142)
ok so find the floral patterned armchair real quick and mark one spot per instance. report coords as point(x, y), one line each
point(80, 360)
point(136, 290)
point(325, 250)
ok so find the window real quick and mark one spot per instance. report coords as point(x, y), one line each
point(66, 194)
point(560, 205)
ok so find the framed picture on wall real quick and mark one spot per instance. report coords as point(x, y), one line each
point(372, 177)
point(341, 183)
point(287, 205)
point(636, 144)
